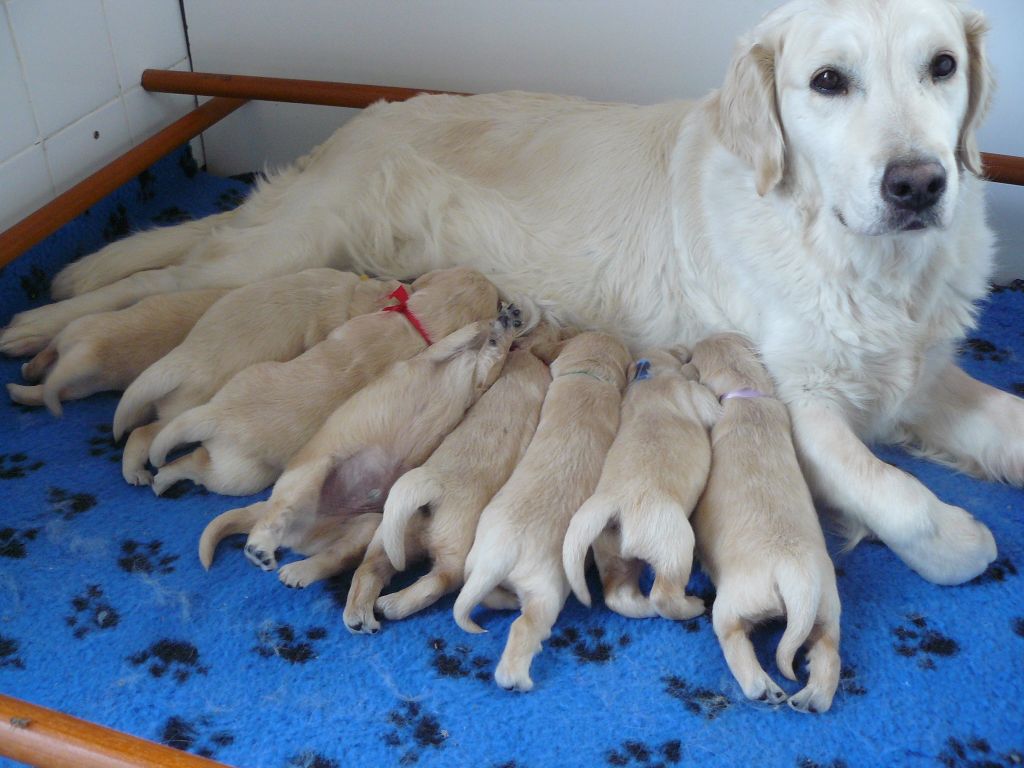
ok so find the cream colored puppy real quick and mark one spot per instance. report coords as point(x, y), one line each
point(654, 474)
point(345, 471)
point(518, 542)
point(269, 320)
point(261, 418)
point(758, 535)
point(108, 351)
point(432, 510)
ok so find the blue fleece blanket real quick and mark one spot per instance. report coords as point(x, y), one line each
point(105, 613)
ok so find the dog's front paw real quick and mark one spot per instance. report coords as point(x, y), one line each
point(261, 557)
point(955, 548)
point(360, 620)
point(811, 700)
point(763, 688)
point(511, 678)
point(299, 575)
point(137, 476)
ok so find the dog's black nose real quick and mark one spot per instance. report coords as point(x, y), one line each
point(915, 185)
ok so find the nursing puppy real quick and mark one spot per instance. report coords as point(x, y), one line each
point(518, 542)
point(758, 535)
point(269, 320)
point(108, 351)
point(261, 418)
point(340, 479)
point(432, 511)
point(652, 478)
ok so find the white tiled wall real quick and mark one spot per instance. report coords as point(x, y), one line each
point(70, 99)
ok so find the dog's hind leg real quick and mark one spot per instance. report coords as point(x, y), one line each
point(620, 579)
point(35, 369)
point(540, 611)
point(136, 453)
point(424, 592)
point(824, 664)
point(670, 554)
point(372, 575)
point(342, 555)
point(742, 660)
point(193, 466)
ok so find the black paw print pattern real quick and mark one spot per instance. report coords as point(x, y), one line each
point(1018, 626)
point(414, 731)
point(147, 184)
point(915, 639)
point(9, 658)
point(283, 642)
point(311, 760)
point(1017, 286)
point(69, 505)
point(14, 543)
point(103, 445)
point(977, 753)
point(982, 349)
point(148, 558)
point(171, 215)
point(178, 657)
point(848, 682)
point(998, 571)
point(806, 762)
point(589, 647)
point(459, 663)
point(118, 224)
point(700, 701)
point(197, 736)
point(92, 613)
point(35, 284)
point(638, 753)
point(14, 466)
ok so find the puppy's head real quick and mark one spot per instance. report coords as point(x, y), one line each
point(447, 299)
point(653, 364)
point(596, 354)
point(867, 108)
point(727, 362)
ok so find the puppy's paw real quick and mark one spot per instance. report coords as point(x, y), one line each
point(137, 476)
point(811, 700)
point(298, 575)
point(32, 330)
point(260, 557)
point(683, 608)
point(763, 688)
point(512, 679)
point(360, 620)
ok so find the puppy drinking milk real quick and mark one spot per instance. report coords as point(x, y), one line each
point(433, 510)
point(652, 478)
point(109, 350)
point(269, 320)
point(758, 535)
point(327, 503)
point(261, 418)
point(518, 542)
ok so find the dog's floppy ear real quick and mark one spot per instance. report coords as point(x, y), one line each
point(746, 115)
point(979, 95)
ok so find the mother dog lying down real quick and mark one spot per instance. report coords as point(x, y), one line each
point(825, 202)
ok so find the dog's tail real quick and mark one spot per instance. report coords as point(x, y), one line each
point(801, 594)
point(414, 490)
point(26, 394)
point(193, 426)
point(233, 521)
point(481, 580)
point(586, 525)
point(137, 401)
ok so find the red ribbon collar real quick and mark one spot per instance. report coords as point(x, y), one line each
point(402, 307)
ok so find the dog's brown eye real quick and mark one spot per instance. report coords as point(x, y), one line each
point(943, 66)
point(830, 82)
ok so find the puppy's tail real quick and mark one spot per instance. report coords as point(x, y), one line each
point(586, 525)
point(801, 594)
point(233, 521)
point(137, 401)
point(481, 580)
point(414, 490)
point(193, 426)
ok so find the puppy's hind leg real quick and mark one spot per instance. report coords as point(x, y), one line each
point(529, 631)
point(136, 453)
point(35, 369)
point(192, 466)
point(372, 575)
point(426, 591)
point(823, 661)
point(343, 554)
point(620, 579)
point(739, 655)
point(668, 547)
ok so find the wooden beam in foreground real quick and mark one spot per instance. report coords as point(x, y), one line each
point(62, 209)
point(49, 739)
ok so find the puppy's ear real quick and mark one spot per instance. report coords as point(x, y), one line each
point(680, 352)
point(709, 410)
point(980, 83)
point(547, 350)
point(746, 115)
point(690, 372)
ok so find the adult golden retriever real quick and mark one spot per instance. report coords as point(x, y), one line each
point(825, 202)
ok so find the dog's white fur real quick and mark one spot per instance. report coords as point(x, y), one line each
point(260, 419)
point(347, 468)
point(108, 351)
point(757, 209)
point(518, 543)
point(652, 478)
point(432, 511)
point(272, 319)
point(758, 535)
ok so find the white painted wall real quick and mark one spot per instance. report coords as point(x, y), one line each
point(641, 51)
point(70, 99)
